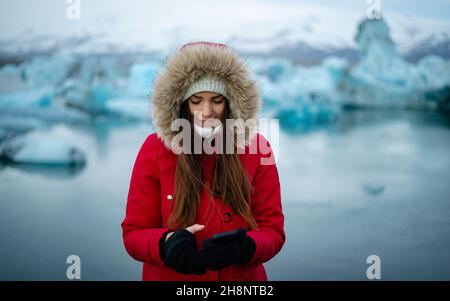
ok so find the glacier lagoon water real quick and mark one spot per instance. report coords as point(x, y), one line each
point(374, 183)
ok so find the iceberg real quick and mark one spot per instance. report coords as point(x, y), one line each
point(306, 115)
point(382, 78)
point(51, 115)
point(435, 71)
point(46, 70)
point(133, 108)
point(102, 88)
point(92, 84)
point(60, 89)
point(39, 148)
point(21, 111)
point(141, 78)
point(24, 105)
point(89, 98)
point(300, 97)
point(11, 79)
point(40, 97)
point(318, 81)
point(18, 125)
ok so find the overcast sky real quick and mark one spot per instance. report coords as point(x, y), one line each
point(159, 23)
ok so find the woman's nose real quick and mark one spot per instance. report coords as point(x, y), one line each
point(206, 110)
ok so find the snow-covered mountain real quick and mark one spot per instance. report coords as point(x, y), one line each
point(301, 30)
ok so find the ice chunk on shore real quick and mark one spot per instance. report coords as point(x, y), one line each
point(39, 148)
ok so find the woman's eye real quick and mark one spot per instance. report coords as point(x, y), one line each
point(219, 100)
point(195, 101)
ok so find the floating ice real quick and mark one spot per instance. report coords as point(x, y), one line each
point(11, 79)
point(46, 70)
point(306, 115)
point(382, 78)
point(39, 148)
point(90, 86)
point(300, 97)
point(373, 189)
point(135, 108)
point(19, 125)
point(22, 111)
point(141, 78)
point(40, 97)
point(435, 71)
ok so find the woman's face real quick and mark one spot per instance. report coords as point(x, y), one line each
point(207, 106)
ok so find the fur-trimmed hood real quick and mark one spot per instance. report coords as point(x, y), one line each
point(191, 63)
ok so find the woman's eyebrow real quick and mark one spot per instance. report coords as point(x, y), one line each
point(217, 96)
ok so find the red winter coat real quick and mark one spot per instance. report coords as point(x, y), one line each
point(150, 202)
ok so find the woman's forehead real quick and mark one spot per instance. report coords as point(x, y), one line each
point(206, 94)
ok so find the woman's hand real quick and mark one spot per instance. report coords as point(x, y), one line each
point(193, 229)
point(217, 254)
point(179, 251)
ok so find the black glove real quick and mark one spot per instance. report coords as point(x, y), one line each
point(222, 253)
point(180, 252)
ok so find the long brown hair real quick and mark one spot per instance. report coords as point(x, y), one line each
point(230, 183)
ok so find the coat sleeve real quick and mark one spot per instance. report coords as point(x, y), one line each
point(142, 227)
point(266, 208)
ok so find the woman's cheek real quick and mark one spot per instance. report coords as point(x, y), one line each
point(219, 110)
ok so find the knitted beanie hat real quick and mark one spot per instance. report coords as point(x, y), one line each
point(208, 83)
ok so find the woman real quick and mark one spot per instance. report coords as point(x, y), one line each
point(179, 199)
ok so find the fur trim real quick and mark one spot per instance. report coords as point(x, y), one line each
point(188, 65)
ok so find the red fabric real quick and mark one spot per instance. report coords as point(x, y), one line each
point(149, 206)
point(210, 44)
